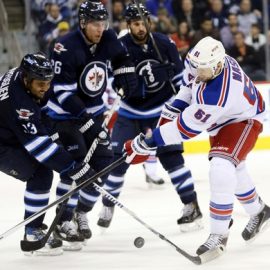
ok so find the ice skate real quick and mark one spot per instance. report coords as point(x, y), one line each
point(67, 232)
point(214, 247)
point(154, 181)
point(191, 219)
point(53, 247)
point(82, 224)
point(257, 223)
point(105, 216)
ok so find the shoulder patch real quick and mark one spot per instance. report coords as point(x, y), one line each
point(58, 48)
point(24, 114)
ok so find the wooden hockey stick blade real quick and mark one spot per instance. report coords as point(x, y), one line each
point(35, 245)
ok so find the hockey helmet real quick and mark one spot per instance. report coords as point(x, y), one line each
point(36, 66)
point(92, 10)
point(207, 53)
point(132, 12)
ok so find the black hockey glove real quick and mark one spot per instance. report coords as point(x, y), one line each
point(125, 78)
point(93, 129)
point(81, 172)
point(158, 73)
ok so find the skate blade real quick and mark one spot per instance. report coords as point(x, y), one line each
point(191, 227)
point(72, 246)
point(45, 252)
point(212, 254)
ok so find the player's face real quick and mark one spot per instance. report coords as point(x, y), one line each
point(138, 30)
point(94, 30)
point(204, 74)
point(38, 88)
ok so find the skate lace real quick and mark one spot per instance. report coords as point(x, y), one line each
point(68, 228)
point(82, 221)
point(106, 213)
point(38, 234)
point(188, 209)
point(252, 224)
point(213, 241)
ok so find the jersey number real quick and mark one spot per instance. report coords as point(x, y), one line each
point(249, 91)
point(29, 128)
point(201, 115)
point(57, 66)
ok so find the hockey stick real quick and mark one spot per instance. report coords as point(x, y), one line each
point(65, 196)
point(194, 259)
point(35, 245)
point(148, 30)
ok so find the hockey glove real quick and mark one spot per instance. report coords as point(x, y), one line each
point(158, 73)
point(93, 129)
point(168, 114)
point(81, 172)
point(125, 78)
point(137, 150)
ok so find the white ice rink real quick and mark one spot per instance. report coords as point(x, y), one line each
point(114, 249)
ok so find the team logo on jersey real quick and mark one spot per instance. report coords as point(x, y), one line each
point(93, 80)
point(58, 48)
point(24, 114)
point(144, 69)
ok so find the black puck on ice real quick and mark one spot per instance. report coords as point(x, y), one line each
point(139, 242)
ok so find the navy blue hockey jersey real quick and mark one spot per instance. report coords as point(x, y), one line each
point(81, 73)
point(153, 95)
point(21, 124)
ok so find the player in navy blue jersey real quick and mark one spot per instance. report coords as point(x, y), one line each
point(157, 84)
point(81, 61)
point(27, 151)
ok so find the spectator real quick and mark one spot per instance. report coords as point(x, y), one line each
point(255, 39)
point(165, 23)
point(246, 57)
point(184, 10)
point(154, 5)
point(227, 32)
point(117, 14)
point(217, 13)
point(182, 38)
point(48, 30)
point(206, 29)
point(247, 16)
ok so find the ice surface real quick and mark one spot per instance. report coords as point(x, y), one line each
point(160, 208)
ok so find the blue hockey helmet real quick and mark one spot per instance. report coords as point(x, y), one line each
point(132, 12)
point(36, 66)
point(92, 10)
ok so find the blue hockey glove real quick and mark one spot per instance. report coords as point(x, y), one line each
point(93, 129)
point(81, 172)
point(158, 73)
point(126, 79)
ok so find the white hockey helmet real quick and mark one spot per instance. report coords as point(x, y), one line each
point(207, 53)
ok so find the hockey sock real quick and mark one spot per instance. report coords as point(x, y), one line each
point(246, 192)
point(223, 181)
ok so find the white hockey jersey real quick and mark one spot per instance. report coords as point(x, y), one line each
point(230, 97)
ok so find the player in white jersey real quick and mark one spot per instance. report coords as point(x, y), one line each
point(218, 97)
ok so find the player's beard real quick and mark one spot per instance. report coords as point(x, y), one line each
point(140, 37)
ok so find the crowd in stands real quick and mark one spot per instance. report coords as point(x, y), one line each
point(237, 23)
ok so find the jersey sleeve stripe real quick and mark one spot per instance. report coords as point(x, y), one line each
point(185, 131)
point(65, 87)
point(43, 156)
point(37, 142)
point(61, 98)
point(225, 87)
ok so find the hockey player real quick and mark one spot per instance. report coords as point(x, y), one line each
point(218, 97)
point(81, 60)
point(27, 150)
point(141, 113)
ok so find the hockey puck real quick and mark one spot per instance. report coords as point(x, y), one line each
point(139, 242)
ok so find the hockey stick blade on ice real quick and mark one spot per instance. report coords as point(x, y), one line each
point(65, 196)
point(38, 244)
point(194, 259)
